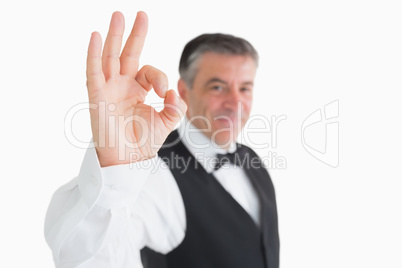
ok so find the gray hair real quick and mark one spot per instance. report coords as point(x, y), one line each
point(217, 43)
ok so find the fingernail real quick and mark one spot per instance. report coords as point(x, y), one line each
point(164, 90)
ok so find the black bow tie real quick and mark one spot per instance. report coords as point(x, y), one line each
point(237, 158)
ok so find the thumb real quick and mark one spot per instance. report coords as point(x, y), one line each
point(175, 108)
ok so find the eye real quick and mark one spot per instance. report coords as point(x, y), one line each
point(217, 87)
point(246, 89)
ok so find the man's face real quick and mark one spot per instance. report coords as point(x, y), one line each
point(220, 100)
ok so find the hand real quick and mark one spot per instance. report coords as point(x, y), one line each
point(124, 129)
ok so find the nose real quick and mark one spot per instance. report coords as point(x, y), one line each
point(232, 99)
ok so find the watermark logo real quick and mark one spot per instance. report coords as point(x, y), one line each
point(320, 134)
point(80, 109)
point(258, 131)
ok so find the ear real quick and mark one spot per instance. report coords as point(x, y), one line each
point(183, 90)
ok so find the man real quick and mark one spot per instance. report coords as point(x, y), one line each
point(192, 210)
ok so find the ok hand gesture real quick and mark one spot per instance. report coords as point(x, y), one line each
point(124, 129)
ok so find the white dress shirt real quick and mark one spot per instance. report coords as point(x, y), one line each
point(105, 216)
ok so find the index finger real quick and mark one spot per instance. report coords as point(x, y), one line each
point(130, 56)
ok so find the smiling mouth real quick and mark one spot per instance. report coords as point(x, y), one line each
point(226, 120)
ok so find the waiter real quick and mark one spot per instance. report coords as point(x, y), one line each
point(185, 198)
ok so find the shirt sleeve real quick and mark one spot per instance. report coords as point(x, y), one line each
point(104, 216)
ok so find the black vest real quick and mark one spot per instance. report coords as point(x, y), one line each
point(219, 232)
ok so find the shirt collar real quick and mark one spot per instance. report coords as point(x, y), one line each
point(203, 149)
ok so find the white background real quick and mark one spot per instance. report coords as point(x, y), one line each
point(312, 53)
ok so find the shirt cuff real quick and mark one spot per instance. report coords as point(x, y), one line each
point(122, 184)
point(114, 185)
